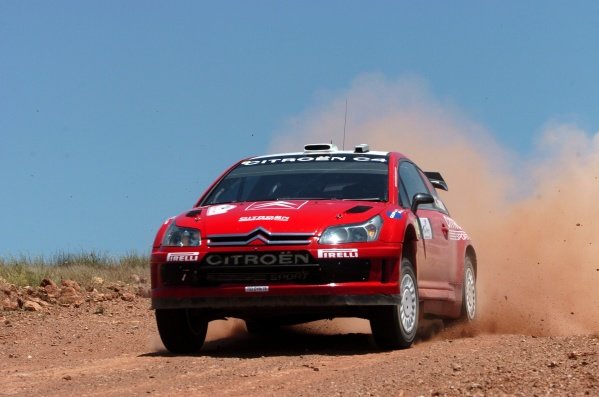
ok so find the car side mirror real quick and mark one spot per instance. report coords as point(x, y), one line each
point(421, 198)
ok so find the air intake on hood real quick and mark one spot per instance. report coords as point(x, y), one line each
point(193, 213)
point(358, 209)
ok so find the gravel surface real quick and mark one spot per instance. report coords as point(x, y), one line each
point(109, 346)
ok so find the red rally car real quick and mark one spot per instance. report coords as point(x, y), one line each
point(297, 237)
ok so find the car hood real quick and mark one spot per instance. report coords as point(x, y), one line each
point(290, 216)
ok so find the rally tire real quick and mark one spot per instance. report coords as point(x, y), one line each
point(395, 327)
point(182, 331)
point(469, 297)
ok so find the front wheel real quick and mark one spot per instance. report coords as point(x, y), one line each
point(182, 331)
point(394, 327)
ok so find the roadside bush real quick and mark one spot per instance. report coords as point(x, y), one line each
point(85, 268)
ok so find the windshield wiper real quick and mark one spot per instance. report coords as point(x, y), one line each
point(332, 198)
point(302, 198)
point(364, 199)
point(222, 202)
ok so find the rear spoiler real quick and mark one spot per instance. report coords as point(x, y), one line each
point(437, 180)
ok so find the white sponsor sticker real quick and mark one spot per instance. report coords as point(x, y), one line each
point(256, 288)
point(455, 231)
point(275, 205)
point(338, 253)
point(182, 256)
point(458, 235)
point(219, 209)
point(276, 218)
point(427, 230)
point(395, 214)
point(310, 158)
point(451, 223)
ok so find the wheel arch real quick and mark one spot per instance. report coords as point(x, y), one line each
point(471, 253)
point(409, 247)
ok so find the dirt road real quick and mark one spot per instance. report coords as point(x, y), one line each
point(112, 348)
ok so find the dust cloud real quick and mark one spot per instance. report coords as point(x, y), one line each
point(533, 220)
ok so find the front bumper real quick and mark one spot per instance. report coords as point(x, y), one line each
point(365, 281)
point(231, 299)
point(294, 301)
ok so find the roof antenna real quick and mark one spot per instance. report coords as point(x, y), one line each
point(344, 124)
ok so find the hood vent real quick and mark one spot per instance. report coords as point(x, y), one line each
point(193, 213)
point(358, 209)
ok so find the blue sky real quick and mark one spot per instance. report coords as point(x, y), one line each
point(115, 115)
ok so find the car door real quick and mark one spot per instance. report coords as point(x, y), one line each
point(435, 269)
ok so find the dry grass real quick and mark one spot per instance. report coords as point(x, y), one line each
point(82, 267)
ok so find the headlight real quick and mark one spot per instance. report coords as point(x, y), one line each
point(176, 236)
point(361, 233)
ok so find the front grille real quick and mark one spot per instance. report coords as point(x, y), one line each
point(322, 272)
point(222, 240)
point(196, 275)
point(260, 275)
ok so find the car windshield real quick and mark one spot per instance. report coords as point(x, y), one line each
point(342, 177)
